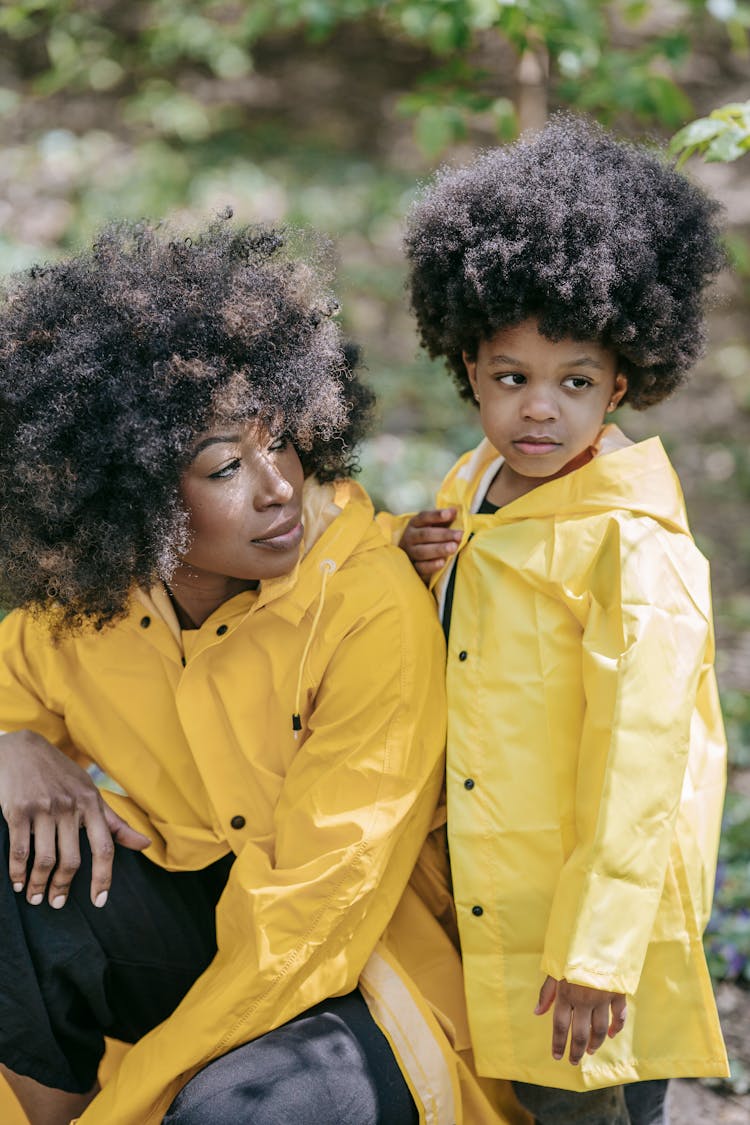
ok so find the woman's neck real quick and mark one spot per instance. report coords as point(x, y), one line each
point(196, 595)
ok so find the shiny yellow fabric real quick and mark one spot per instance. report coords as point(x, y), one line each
point(334, 816)
point(583, 709)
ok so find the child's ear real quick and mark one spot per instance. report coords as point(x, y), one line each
point(471, 370)
point(619, 392)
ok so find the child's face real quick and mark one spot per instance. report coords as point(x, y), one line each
point(541, 402)
point(243, 489)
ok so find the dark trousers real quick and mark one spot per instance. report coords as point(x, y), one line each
point(69, 977)
point(639, 1103)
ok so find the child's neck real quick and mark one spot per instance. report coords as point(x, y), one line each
point(509, 485)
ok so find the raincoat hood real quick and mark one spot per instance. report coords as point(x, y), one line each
point(621, 476)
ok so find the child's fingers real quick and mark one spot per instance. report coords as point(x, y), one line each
point(561, 1019)
point(599, 1028)
point(431, 518)
point(422, 552)
point(426, 569)
point(619, 1015)
point(580, 1034)
point(434, 535)
point(547, 994)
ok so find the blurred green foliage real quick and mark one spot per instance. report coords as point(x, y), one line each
point(611, 59)
point(723, 136)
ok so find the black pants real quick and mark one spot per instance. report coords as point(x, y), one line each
point(638, 1103)
point(69, 977)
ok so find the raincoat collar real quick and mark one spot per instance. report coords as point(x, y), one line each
point(637, 477)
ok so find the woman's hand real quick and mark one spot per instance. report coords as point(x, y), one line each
point(429, 542)
point(45, 793)
point(584, 1012)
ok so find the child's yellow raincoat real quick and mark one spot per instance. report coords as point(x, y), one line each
point(326, 824)
point(586, 764)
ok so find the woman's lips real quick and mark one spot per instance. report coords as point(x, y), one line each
point(282, 540)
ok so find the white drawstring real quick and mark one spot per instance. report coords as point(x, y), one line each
point(327, 566)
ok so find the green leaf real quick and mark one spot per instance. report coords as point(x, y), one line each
point(704, 129)
point(729, 145)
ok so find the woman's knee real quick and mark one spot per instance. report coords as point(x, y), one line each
point(310, 1071)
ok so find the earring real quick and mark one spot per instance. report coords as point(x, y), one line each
point(476, 397)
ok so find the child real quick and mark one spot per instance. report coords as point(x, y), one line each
point(559, 278)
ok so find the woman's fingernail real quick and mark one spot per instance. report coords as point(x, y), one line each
point(58, 902)
point(36, 899)
point(100, 899)
point(18, 887)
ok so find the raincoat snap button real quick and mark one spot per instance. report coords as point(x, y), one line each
point(145, 622)
point(477, 911)
point(221, 630)
point(469, 783)
point(463, 654)
point(237, 821)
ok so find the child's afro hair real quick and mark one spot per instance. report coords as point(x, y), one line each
point(597, 238)
point(114, 361)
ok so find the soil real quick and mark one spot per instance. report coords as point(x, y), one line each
point(693, 1102)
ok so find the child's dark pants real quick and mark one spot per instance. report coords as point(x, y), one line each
point(68, 977)
point(640, 1103)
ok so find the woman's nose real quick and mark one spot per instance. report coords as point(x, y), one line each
point(273, 487)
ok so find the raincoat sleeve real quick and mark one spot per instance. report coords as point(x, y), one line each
point(297, 926)
point(647, 644)
point(393, 526)
point(27, 700)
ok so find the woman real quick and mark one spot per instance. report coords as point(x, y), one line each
point(208, 615)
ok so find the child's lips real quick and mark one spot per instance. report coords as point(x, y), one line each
point(536, 446)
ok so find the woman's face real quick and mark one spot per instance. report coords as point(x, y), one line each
point(243, 490)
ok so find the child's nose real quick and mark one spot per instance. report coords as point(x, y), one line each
point(539, 406)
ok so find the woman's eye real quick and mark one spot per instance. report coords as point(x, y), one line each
point(225, 471)
point(512, 379)
point(577, 382)
point(278, 444)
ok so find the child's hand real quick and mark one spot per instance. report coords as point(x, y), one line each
point(584, 1012)
point(429, 542)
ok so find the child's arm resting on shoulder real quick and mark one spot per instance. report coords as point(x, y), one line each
point(582, 1011)
point(429, 541)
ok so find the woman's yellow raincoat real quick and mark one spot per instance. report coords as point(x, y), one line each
point(326, 823)
point(586, 764)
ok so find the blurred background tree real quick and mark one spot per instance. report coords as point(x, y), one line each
point(328, 113)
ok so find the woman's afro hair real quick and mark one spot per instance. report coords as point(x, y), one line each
point(597, 238)
point(114, 361)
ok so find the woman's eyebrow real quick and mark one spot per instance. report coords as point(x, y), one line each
point(215, 439)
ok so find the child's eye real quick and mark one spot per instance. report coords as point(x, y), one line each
point(227, 470)
point(512, 379)
point(577, 382)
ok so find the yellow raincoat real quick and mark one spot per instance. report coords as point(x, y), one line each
point(586, 764)
point(196, 728)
